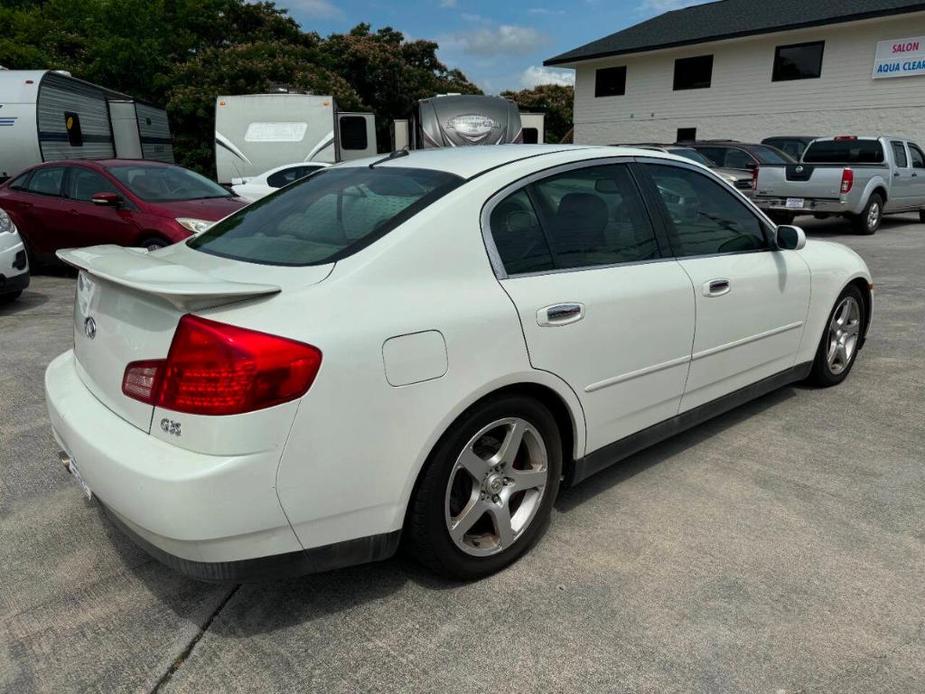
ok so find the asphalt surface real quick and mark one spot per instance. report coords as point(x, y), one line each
point(779, 548)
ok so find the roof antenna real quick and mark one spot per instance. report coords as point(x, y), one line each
point(394, 155)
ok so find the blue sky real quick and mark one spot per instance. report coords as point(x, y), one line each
point(499, 44)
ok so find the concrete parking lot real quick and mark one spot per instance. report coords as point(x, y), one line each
point(779, 548)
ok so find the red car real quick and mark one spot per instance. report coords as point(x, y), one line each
point(65, 204)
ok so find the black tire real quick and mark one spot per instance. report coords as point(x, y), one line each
point(152, 243)
point(781, 218)
point(10, 296)
point(864, 223)
point(823, 375)
point(427, 534)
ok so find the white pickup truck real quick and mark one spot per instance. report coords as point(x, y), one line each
point(862, 178)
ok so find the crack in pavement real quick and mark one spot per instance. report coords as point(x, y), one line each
point(185, 654)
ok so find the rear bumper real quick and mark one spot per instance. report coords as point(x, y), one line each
point(212, 517)
point(810, 205)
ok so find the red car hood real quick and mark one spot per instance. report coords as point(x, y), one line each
point(210, 209)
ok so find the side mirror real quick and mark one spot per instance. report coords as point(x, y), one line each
point(106, 199)
point(790, 238)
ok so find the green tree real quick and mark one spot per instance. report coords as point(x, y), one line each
point(552, 99)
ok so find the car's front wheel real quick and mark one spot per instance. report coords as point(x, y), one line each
point(838, 348)
point(487, 490)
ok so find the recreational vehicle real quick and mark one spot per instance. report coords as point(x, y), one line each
point(47, 115)
point(456, 120)
point(257, 132)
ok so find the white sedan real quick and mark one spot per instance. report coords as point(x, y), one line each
point(14, 263)
point(255, 187)
point(422, 348)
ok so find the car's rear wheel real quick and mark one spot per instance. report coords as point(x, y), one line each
point(838, 348)
point(869, 220)
point(487, 490)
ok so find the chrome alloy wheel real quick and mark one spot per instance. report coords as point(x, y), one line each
point(496, 487)
point(873, 215)
point(844, 330)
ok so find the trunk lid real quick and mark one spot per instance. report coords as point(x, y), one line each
point(129, 302)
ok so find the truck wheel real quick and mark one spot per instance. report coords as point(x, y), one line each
point(781, 218)
point(869, 220)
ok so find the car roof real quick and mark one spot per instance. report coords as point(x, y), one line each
point(468, 162)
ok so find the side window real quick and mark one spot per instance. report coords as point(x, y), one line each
point(737, 159)
point(706, 218)
point(899, 154)
point(918, 159)
point(518, 237)
point(717, 155)
point(19, 183)
point(286, 176)
point(46, 181)
point(353, 132)
point(83, 183)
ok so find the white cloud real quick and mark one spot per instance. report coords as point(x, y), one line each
point(660, 6)
point(504, 39)
point(536, 75)
point(544, 11)
point(318, 9)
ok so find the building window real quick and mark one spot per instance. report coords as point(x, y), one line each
point(686, 135)
point(693, 73)
point(799, 61)
point(610, 81)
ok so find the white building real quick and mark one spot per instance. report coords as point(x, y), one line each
point(749, 69)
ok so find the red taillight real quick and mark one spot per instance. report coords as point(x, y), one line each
point(755, 177)
point(847, 180)
point(218, 369)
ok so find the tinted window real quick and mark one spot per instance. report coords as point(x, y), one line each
point(287, 176)
point(610, 81)
point(692, 154)
point(918, 159)
point(46, 181)
point(737, 159)
point(588, 217)
point(798, 61)
point(769, 155)
point(325, 217)
point(793, 148)
point(19, 183)
point(899, 154)
point(353, 132)
point(165, 183)
point(844, 152)
point(705, 218)
point(83, 183)
point(693, 73)
point(530, 136)
point(518, 236)
point(717, 155)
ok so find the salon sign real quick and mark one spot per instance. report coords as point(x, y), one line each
point(900, 58)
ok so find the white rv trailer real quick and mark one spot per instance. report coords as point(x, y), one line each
point(257, 132)
point(457, 120)
point(48, 116)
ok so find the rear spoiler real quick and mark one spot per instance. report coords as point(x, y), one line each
point(184, 287)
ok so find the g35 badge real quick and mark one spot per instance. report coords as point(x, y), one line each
point(171, 427)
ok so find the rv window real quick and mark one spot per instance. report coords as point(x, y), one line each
point(798, 61)
point(327, 216)
point(46, 181)
point(693, 73)
point(166, 183)
point(84, 183)
point(531, 136)
point(610, 81)
point(353, 132)
point(287, 176)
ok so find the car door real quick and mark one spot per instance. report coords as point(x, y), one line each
point(917, 193)
point(600, 304)
point(902, 187)
point(751, 300)
point(43, 211)
point(91, 224)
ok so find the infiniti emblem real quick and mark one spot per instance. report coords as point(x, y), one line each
point(90, 328)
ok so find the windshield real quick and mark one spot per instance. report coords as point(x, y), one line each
point(327, 216)
point(768, 155)
point(166, 183)
point(844, 152)
point(693, 155)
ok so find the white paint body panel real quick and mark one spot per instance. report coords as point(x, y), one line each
point(341, 462)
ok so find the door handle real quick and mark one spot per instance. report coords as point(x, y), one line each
point(717, 287)
point(560, 314)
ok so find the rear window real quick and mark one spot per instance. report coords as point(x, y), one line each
point(325, 217)
point(767, 155)
point(844, 152)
